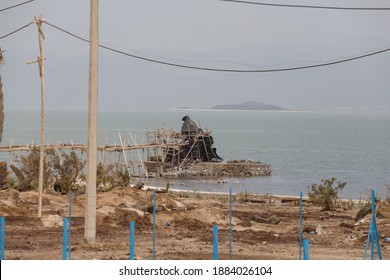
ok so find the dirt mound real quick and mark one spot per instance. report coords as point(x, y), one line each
point(52, 221)
point(123, 217)
point(253, 237)
point(191, 224)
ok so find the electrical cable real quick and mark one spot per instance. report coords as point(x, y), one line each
point(17, 5)
point(309, 6)
point(17, 30)
point(226, 70)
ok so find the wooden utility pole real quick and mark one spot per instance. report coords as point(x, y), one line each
point(1, 99)
point(90, 209)
point(40, 61)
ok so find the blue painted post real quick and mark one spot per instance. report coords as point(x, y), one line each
point(65, 240)
point(69, 225)
point(230, 226)
point(306, 255)
point(2, 237)
point(300, 228)
point(215, 242)
point(154, 224)
point(371, 229)
point(132, 233)
point(372, 237)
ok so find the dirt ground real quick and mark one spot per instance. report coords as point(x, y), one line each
point(264, 227)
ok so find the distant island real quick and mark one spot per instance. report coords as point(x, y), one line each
point(249, 105)
point(246, 106)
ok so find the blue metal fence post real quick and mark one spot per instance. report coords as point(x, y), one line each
point(306, 255)
point(371, 230)
point(132, 233)
point(154, 225)
point(2, 237)
point(65, 240)
point(230, 226)
point(215, 242)
point(69, 222)
point(374, 228)
point(372, 237)
point(300, 228)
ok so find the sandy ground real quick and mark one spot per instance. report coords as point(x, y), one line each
point(184, 223)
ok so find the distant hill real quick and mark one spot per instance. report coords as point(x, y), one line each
point(249, 105)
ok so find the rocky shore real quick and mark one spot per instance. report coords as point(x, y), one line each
point(236, 168)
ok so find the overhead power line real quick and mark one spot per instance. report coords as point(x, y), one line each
point(226, 69)
point(17, 30)
point(17, 5)
point(310, 6)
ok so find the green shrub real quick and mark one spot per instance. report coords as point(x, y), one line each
point(325, 194)
point(110, 177)
point(67, 169)
point(29, 166)
point(123, 177)
point(61, 169)
point(12, 181)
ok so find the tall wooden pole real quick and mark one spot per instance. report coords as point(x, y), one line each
point(42, 136)
point(1, 107)
point(90, 209)
point(41, 65)
point(1, 99)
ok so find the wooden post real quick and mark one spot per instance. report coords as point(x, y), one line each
point(40, 61)
point(42, 137)
point(139, 156)
point(189, 152)
point(154, 226)
point(123, 151)
point(90, 209)
point(1, 103)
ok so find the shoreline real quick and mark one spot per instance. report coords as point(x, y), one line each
point(211, 193)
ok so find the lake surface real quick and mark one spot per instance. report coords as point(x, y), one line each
point(301, 147)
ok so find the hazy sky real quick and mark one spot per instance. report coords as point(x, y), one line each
point(206, 33)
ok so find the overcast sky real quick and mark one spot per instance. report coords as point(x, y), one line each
point(220, 34)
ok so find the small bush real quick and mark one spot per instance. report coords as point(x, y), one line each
point(12, 181)
point(67, 169)
point(59, 169)
point(29, 166)
point(325, 194)
point(123, 177)
point(109, 177)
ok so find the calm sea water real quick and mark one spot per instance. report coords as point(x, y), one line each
point(301, 147)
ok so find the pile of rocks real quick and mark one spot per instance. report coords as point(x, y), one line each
point(242, 168)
